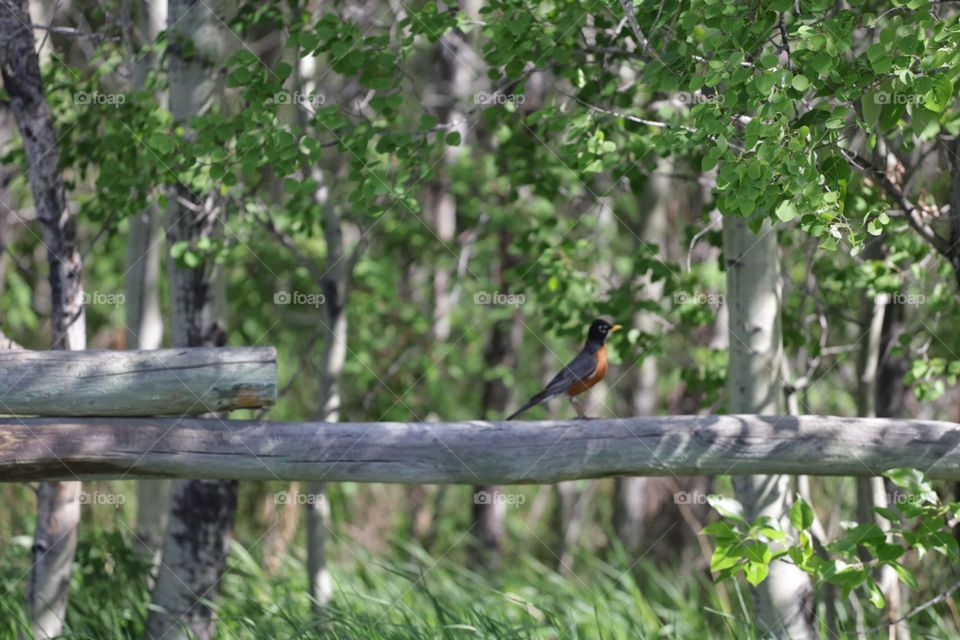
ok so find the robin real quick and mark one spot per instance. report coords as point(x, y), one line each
point(586, 370)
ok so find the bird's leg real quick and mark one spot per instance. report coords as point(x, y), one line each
point(576, 405)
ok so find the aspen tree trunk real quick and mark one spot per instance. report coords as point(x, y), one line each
point(870, 491)
point(201, 515)
point(452, 81)
point(43, 12)
point(58, 503)
point(889, 396)
point(334, 286)
point(142, 295)
point(489, 516)
point(783, 603)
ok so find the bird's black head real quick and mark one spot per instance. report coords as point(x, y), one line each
point(600, 329)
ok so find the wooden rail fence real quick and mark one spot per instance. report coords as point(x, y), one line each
point(63, 422)
point(474, 452)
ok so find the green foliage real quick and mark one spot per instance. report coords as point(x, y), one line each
point(917, 522)
point(552, 187)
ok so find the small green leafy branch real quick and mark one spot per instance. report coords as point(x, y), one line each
point(917, 521)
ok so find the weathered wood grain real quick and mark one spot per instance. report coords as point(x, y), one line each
point(472, 452)
point(162, 382)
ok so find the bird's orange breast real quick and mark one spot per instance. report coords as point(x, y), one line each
point(601, 370)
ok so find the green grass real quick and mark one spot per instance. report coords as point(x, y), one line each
point(411, 594)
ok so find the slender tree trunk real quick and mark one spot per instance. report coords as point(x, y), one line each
point(501, 352)
point(142, 297)
point(43, 12)
point(145, 331)
point(7, 216)
point(783, 603)
point(58, 503)
point(453, 82)
point(334, 285)
point(201, 516)
point(890, 396)
point(869, 490)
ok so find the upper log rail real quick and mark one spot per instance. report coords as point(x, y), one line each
point(163, 382)
point(474, 452)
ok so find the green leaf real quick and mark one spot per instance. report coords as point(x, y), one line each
point(838, 119)
point(926, 123)
point(283, 71)
point(453, 138)
point(822, 62)
point(756, 572)
point(787, 211)
point(728, 554)
point(800, 82)
point(718, 528)
point(876, 596)
point(711, 158)
point(872, 107)
point(940, 95)
point(160, 142)
point(906, 576)
point(178, 249)
point(886, 552)
point(772, 534)
point(801, 514)
point(726, 507)
point(846, 575)
point(427, 121)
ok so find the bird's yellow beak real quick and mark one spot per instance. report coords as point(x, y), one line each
point(616, 327)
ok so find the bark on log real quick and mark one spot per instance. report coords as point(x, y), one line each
point(162, 382)
point(475, 452)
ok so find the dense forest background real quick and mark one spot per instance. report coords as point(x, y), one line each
point(423, 205)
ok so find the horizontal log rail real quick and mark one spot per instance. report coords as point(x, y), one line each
point(473, 452)
point(164, 382)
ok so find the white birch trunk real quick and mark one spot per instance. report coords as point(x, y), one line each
point(334, 285)
point(199, 531)
point(783, 603)
point(58, 504)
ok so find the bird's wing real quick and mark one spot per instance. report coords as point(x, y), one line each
point(580, 368)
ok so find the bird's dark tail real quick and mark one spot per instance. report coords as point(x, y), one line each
point(532, 402)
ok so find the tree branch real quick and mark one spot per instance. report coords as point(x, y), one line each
point(899, 197)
